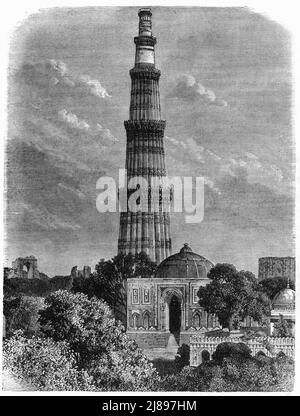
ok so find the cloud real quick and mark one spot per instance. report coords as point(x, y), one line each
point(247, 166)
point(72, 120)
point(105, 133)
point(188, 89)
point(94, 86)
point(176, 142)
point(62, 99)
point(53, 76)
point(256, 171)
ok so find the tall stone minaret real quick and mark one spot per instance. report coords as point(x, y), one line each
point(145, 230)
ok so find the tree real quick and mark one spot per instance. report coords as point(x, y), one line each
point(22, 313)
point(61, 283)
point(144, 266)
point(109, 280)
point(274, 285)
point(29, 287)
point(233, 295)
point(98, 341)
point(282, 328)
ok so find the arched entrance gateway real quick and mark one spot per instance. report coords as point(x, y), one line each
point(172, 312)
point(174, 316)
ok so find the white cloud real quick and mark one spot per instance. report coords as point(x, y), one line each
point(176, 142)
point(215, 167)
point(94, 86)
point(187, 88)
point(257, 171)
point(73, 120)
point(56, 75)
point(105, 133)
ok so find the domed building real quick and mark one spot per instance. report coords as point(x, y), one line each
point(283, 305)
point(167, 303)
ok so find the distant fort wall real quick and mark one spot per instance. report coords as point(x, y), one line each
point(202, 348)
point(269, 267)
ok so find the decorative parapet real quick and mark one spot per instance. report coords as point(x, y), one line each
point(271, 346)
point(145, 40)
point(145, 71)
point(145, 126)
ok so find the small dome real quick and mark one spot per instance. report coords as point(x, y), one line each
point(185, 264)
point(285, 299)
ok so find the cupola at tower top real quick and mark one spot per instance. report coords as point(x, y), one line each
point(145, 41)
point(145, 24)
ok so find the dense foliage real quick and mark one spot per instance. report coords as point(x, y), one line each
point(230, 349)
point(109, 280)
point(35, 287)
point(234, 374)
point(282, 328)
point(22, 313)
point(98, 341)
point(233, 295)
point(46, 364)
point(274, 285)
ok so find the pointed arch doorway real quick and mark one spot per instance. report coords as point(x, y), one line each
point(175, 316)
point(172, 314)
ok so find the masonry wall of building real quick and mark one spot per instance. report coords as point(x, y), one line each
point(269, 267)
point(146, 315)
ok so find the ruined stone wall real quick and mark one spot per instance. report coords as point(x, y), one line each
point(24, 268)
point(85, 273)
point(269, 267)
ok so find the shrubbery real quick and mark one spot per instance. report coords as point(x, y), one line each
point(234, 373)
point(183, 356)
point(46, 364)
point(231, 349)
point(82, 347)
point(22, 313)
point(95, 343)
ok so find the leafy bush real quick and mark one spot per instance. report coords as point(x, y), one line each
point(234, 373)
point(44, 363)
point(183, 356)
point(99, 341)
point(231, 349)
point(165, 366)
point(22, 313)
point(186, 380)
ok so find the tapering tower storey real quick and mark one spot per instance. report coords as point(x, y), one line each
point(146, 229)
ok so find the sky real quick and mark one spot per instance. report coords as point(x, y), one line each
point(226, 94)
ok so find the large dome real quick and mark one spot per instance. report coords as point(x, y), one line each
point(185, 264)
point(285, 299)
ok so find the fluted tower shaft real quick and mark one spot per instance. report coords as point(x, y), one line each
point(145, 231)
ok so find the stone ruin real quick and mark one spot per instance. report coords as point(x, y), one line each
point(84, 273)
point(24, 268)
